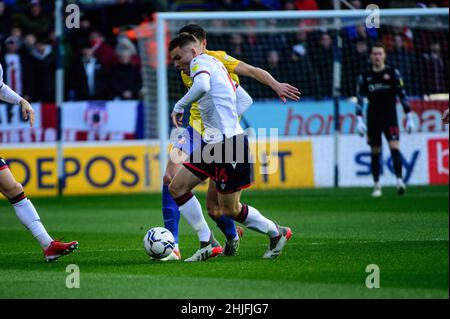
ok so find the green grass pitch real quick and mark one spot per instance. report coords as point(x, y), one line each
point(337, 233)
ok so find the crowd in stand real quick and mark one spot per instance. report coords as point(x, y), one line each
point(102, 61)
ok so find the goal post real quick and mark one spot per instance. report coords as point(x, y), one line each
point(314, 76)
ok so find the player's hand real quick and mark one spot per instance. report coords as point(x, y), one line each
point(445, 116)
point(361, 126)
point(177, 118)
point(27, 112)
point(410, 126)
point(286, 91)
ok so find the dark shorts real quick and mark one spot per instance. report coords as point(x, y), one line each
point(227, 163)
point(377, 127)
point(188, 140)
point(3, 164)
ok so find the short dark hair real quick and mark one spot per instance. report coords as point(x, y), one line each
point(181, 41)
point(195, 30)
point(378, 45)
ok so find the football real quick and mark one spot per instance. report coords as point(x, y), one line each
point(159, 242)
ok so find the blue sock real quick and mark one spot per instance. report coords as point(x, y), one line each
point(227, 226)
point(171, 214)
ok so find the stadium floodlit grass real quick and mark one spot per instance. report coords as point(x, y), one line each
point(337, 233)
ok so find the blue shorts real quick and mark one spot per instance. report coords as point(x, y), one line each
point(188, 140)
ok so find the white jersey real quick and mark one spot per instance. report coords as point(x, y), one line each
point(217, 106)
point(6, 94)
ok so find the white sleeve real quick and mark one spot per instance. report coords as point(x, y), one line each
point(243, 100)
point(200, 74)
point(6, 94)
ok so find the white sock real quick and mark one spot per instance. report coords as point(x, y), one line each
point(192, 212)
point(27, 214)
point(256, 221)
point(377, 185)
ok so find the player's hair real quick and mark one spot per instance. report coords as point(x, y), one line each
point(181, 41)
point(194, 29)
point(378, 45)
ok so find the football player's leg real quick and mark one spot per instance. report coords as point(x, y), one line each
point(250, 217)
point(394, 146)
point(171, 214)
point(396, 157)
point(225, 223)
point(27, 214)
point(375, 163)
point(392, 134)
point(374, 140)
point(23, 207)
point(180, 188)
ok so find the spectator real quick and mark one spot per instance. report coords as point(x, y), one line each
point(125, 44)
point(436, 70)
point(359, 31)
point(43, 72)
point(125, 78)
point(300, 70)
point(355, 62)
point(399, 29)
point(322, 59)
point(404, 61)
point(87, 77)
point(299, 43)
point(35, 21)
point(236, 47)
point(13, 65)
point(5, 21)
point(274, 40)
point(103, 51)
point(76, 37)
point(217, 39)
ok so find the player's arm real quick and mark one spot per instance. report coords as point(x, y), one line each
point(401, 93)
point(9, 96)
point(283, 90)
point(243, 100)
point(360, 94)
point(200, 86)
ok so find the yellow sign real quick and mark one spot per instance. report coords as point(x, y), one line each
point(122, 168)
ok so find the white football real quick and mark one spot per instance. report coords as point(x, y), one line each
point(159, 242)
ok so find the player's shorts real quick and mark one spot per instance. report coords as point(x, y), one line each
point(377, 127)
point(188, 140)
point(3, 164)
point(230, 168)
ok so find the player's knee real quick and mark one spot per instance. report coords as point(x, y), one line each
point(12, 190)
point(176, 190)
point(229, 210)
point(167, 179)
point(394, 146)
point(213, 210)
point(376, 150)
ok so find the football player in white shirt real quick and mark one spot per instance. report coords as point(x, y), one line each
point(224, 154)
point(13, 191)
